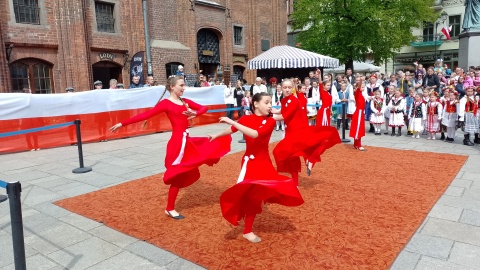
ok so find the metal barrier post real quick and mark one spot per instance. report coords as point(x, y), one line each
point(242, 140)
point(13, 190)
point(81, 169)
point(344, 121)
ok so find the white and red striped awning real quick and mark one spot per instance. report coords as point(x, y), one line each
point(291, 57)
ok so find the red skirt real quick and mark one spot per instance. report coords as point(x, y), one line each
point(198, 151)
point(309, 142)
point(248, 196)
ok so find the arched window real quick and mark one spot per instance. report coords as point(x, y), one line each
point(31, 74)
point(20, 78)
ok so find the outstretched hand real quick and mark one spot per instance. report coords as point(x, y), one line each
point(117, 126)
point(226, 120)
point(191, 114)
point(212, 137)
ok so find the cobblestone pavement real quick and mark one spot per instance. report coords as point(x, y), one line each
point(55, 238)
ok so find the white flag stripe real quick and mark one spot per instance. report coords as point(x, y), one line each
point(19, 105)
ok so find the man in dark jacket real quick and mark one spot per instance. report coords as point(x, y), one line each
point(135, 82)
point(431, 81)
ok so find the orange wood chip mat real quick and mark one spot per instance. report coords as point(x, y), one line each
point(360, 209)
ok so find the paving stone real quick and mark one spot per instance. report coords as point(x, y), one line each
point(40, 222)
point(428, 263)
point(78, 190)
point(113, 236)
point(452, 230)
point(406, 261)
point(126, 261)
point(454, 191)
point(85, 254)
point(471, 217)
point(471, 176)
point(35, 195)
point(13, 164)
point(57, 238)
point(429, 245)
point(466, 255)
point(6, 250)
point(83, 223)
point(181, 264)
point(446, 212)
point(461, 183)
point(152, 253)
point(37, 262)
point(51, 209)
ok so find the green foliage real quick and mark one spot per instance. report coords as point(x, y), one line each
point(350, 29)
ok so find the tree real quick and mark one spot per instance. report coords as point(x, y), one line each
point(350, 29)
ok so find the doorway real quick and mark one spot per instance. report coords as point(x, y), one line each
point(104, 71)
point(208, 48)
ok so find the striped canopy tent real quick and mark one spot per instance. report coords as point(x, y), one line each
point(286, 57)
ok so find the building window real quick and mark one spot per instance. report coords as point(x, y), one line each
point(238, 35)
point(26, 11)
point(428, 32)
point(20, 79)
point(454, 21)
point(31, 74)
point(104, 16)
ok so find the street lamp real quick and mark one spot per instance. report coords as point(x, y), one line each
point(441, 20)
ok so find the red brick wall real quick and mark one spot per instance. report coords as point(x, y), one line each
point(69, 40)
point(66, 37)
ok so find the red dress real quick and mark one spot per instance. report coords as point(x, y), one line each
point(184, 153)
point(357, 128)
point(301, 140)
point(303, 101)
point(258, 182)
point(325, 112)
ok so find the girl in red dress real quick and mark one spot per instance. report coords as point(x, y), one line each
point(325, 112)
point(301, 140)
point(258, 182)
point(357, 129)
point(184, 153)
point(302, 89)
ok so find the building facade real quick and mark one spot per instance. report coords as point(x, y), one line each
point(431, 43)
point(50, 44)
point(215, 38)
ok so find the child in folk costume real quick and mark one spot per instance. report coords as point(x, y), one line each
point(468, 115)
point(417, 116)
point(343, 96)
point(276, 101)
point(388, 96)
point(371, 87)
point(425, 100)
point(408, 104)
point(397, 109)
point(443, 100)
point(434, 115)
point(325, 112)
point(450, 116)
point(258, 182)
point(357, 129)
point(184, 153)
point(377, 107)
point(246, 101)
point(313, 98)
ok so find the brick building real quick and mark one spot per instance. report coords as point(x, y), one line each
point(52, 44)
point(217, 37)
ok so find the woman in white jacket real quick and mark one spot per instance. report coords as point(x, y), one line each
point(229, 100)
